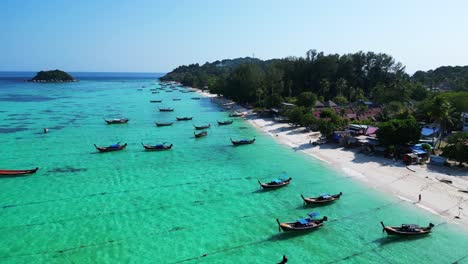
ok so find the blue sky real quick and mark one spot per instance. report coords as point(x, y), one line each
point(156, 36)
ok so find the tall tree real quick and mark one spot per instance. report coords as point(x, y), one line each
point(399, 132)
point(457, 148)
point(440, 111)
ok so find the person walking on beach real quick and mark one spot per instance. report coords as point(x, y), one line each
point(419, 198)
point(285, 259)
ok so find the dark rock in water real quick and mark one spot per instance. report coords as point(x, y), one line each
point(67, 169)
point(53, 76)
point(11, 130)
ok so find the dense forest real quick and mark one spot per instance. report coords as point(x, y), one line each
point(446, 77)
point(348, 77)
point(400, 102)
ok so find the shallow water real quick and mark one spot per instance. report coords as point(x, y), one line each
point(201, 197)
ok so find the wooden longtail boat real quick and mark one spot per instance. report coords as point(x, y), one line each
point(155, 101)
point(407, 230)
point(12, 173)
point(166, 109)
point(202, 127)
point(175, 99)
point(163, 124)
point(186, 118)
point(322, 199)
point(195, 98)
point(115, 147)
point(116, 121)
point(242, 142)
point(302, 225)
point(275, 184)
point(201, 134)
point(226, 122)
point(157, 147)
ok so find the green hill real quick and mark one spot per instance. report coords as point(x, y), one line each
point(52, 76)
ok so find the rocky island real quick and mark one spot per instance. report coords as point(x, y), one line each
point(53, 76)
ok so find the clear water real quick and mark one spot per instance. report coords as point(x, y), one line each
point(201, 197)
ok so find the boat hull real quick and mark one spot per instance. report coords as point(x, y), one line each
point(110, 149)
point(12, 173)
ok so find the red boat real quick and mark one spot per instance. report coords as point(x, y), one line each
point(115, 147)
point(302, 225)
point(157, 147)
point(242, 142)
point(117, 121)
point(322, 199)
point(407, 230)
point(274, 184)
point(201, 134)
point(17, 172)
point(202, 127)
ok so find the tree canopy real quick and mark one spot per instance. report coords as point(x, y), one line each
point(52, 76)
point(349, 76)
point(399, 132)
point(457, 147)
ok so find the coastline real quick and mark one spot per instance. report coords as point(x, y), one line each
point(382, 174)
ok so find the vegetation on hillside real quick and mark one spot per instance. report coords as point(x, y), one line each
point(52, 76)
point(346, 79)
point(446, 77)
point(457, 147)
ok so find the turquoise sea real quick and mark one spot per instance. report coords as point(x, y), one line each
point(197, 203)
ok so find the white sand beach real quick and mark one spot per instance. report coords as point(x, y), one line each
point(385, 175)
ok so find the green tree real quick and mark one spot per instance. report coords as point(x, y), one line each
point(457, 148)
point(326, 128)
point(340, 100)
point(399, 132)
point(306, 99)
point(440, 111)
point(295, 115)
point(308, 119)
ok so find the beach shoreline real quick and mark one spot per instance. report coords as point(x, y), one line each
point(382, 174)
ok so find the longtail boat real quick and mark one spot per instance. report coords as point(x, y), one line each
point(275, 184)
point(116, 121)
point(166, 109)
point(322, 199)
point(157, 147)
point(202, 127)
point(163, 124)
point(236, 114)
point(226, 122)
point(175, 99)
point(155, 101)
point(242, 142)
point(186, 118)
point(201, 134)
point(195, 98)
point(407, 230)
point(303, 224)
point(114, 147)
point(12, 173)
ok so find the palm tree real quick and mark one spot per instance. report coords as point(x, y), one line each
point(441, 112)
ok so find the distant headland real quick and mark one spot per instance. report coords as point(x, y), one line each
point(53, 76)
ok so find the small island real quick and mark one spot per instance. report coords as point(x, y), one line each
point(53, 76)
